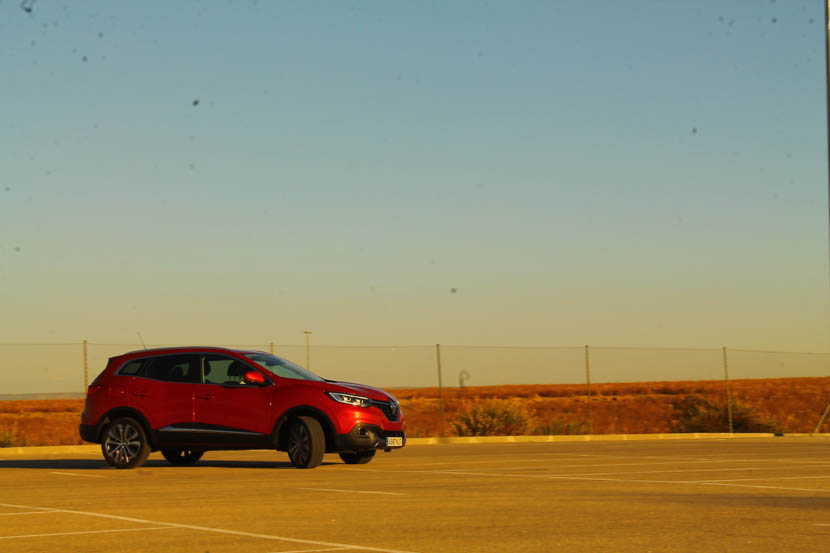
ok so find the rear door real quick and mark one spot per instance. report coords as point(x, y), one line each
point(163, 390)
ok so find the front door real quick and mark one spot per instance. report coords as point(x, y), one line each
point(225, 405)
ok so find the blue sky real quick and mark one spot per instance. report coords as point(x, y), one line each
point(643, 173)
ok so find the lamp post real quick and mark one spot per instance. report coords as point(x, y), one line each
point(307, 349)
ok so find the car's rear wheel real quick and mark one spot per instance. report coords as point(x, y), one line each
point(306, 442)
point(358, 457)
point(182, 457)
point(125, 445)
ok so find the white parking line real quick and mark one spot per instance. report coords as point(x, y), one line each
point(594, 479)
point(87, 532)
point(719, 469)
point(310, 550)
point(25, 513)
point(349, 491)
point(762, 487)
point(763, 478)
point(76, 474)
point(209, 529)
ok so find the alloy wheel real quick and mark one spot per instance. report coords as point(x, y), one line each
point(122, 443)
point(299, 443)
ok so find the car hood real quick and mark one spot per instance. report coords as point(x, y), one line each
point(359, 389)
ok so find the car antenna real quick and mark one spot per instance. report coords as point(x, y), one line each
point(142, 339)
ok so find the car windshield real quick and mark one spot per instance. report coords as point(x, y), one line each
point(282, 367)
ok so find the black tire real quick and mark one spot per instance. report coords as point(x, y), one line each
point(306, 442)
point(358, 457)
point(182, 457)
point(124, 444)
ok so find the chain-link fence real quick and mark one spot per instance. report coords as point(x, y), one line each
point(578, 389)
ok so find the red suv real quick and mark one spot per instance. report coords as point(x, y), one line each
point(188, 400)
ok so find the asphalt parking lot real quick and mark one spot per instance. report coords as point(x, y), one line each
point(770, 494)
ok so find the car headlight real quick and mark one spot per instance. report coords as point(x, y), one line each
point(349, 399)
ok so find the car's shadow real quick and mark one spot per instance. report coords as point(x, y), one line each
point(96, 464)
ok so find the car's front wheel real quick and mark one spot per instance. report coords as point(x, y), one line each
point(358, 457)
point(125, 445)
point(306, 442)
point(181, 457)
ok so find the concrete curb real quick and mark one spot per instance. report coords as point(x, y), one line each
point(596, 438)
point(89, 449)
point(49, 449)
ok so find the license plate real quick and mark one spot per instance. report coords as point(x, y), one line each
point(394, 441)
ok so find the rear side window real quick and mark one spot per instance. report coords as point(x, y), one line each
point(133, 368)
point(174, 368)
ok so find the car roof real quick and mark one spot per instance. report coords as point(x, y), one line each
point(186, 349)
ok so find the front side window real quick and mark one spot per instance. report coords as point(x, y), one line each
point(221, 369)
point(175, 368)
point(282, 367)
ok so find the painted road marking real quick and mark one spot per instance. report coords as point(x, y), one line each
point(75, 474)
point(349, 491)
point(762, 478)
point(593, 479)
point(310, 550)
point(209, 529)
point(86, 532)
point(618, 473)
point(25, 513)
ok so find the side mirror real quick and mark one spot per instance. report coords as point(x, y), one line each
point(253, 377)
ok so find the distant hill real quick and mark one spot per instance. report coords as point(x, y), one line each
point(21, 397)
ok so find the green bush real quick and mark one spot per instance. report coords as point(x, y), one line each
point(7, 438)
point(494, 417)
point(694, 413)
point(558, 426)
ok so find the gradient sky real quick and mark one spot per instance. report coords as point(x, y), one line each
point(610, 173)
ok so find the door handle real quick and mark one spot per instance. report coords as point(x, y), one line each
point(141, 393)
point(205, 396)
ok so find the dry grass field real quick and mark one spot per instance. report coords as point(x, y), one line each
point(790, 404)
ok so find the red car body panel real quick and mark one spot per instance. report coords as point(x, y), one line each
point(215, 416)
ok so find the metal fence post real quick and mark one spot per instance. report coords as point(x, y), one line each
point(440, 386)
point(271, 348)
point(588, 389)
point(728, 391)
point(86, 368)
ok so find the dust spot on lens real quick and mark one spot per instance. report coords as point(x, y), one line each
point(85, 59)
point(196, 102)
point(453, 290)
point(694, 130)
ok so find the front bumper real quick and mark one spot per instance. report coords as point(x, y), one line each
point(367, 436)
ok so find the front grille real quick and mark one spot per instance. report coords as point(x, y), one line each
point(391, 410)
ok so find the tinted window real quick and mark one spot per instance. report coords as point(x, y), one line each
point(133, 368)
point(174, 368)
point(220, 369)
